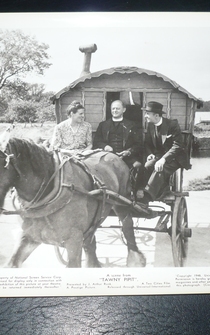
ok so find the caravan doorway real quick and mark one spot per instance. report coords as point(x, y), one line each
point(133, 111)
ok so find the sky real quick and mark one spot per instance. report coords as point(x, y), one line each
point(175, 45)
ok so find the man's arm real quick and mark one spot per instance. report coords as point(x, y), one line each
point(175, 141)
point(149, 147)
point(135, 143)
point(175, 145)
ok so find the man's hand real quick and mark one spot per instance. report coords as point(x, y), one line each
point(136, 164)
point(124, 153)
point(108, 148)
point(150, 157)
point(159, 165)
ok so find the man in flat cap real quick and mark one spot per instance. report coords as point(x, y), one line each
point(165, 151)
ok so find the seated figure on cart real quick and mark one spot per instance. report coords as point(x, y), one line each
point(165, 152)
point(74, 135)
point(124, 138)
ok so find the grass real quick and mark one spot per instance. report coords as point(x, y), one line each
point(34, 131)
point(202, 133)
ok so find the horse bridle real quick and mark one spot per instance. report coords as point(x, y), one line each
point(7, 158)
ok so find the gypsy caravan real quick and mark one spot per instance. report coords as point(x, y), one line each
point(136, 87)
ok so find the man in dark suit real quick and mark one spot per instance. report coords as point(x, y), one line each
point(122, 137)
point(165, 151)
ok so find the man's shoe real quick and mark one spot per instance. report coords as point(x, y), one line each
point(144, 201)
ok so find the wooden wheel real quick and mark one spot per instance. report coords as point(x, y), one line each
point(109, 236)
point(61, 254)
point(180, 231)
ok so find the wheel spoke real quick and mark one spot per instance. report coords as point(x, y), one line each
point(178, 237)
point(183, 246)
point(184, 212)
point(179, 223)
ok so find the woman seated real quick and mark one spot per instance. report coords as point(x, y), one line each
point(73, 136)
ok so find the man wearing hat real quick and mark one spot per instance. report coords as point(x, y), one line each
point(165, 151)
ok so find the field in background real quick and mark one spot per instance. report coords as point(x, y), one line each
point(33, 131)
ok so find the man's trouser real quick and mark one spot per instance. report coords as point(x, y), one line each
point(157, 181)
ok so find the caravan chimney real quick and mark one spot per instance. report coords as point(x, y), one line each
point(87, 50)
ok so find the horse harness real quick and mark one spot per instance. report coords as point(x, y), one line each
point(59, 196)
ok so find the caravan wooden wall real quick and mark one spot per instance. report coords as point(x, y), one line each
point(92, 93)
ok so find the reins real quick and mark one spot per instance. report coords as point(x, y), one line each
point(32, 204)
point(98, 192)
point(41, 191)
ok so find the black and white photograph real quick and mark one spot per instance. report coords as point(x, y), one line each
point(104, 153)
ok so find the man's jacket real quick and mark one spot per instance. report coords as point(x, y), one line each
point(132, 137)
point(171, 141)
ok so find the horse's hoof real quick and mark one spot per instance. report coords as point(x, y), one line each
point(10, 266)
point(136, 259)
point(95, 264)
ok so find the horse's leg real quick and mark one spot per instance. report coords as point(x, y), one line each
point(89, 245)
point(91, 260)
point(27, 246)
point(74, 248)
point(135, 257)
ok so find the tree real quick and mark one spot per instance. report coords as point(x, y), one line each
point(206, 106)
point(20, 55)
point(23, 111)
point(24, 91)
point(46, 110)
point(35, 107)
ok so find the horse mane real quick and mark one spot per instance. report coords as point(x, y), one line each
point(26, 152)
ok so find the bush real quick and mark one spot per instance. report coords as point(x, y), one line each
point(22, 111)
point(199, 184)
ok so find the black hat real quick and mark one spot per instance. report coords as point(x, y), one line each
point(154, 107)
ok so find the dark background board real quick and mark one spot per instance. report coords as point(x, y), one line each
point(143, 315)
point(106, 6)
point(114, 315)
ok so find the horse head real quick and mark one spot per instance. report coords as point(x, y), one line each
point(25, 166)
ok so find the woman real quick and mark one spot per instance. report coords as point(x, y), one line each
point(73, 135)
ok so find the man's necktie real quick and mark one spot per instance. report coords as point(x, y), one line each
point(158, 136)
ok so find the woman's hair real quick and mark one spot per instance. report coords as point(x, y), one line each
point(74, 107)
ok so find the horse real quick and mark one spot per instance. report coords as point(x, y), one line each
point(55, 204)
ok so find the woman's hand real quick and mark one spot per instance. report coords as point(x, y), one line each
point(87, 152)
point(67, 151)
point(125, 153)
